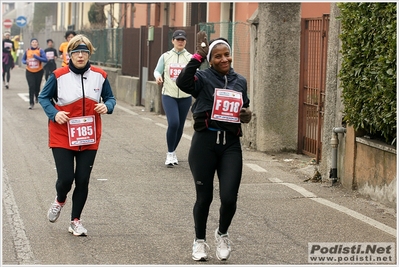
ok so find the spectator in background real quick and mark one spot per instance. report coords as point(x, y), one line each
point(8, 60)
point(52, 55)
point(16, 46)
point(176, 103)
point(64, 48)
point(34, 57)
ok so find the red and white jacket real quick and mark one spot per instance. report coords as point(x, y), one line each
point(76, 94)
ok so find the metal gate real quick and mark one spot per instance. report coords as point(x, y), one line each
point(312, 85)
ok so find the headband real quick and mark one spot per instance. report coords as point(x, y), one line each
point(213, 44)
point(82, 46)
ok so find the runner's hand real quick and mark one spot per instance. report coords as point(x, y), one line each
point(245, 115)
point(202, 44)
point(61, 117)
point(101, 108)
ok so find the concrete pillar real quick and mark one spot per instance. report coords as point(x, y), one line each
point(276, 76)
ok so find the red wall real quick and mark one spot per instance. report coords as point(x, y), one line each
point(314, 10)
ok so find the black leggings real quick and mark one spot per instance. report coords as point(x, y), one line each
point(176, 110)
point(205, 157)
point(66, 172)
point(6, 72)
point(34, 80)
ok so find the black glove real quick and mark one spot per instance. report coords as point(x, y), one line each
point(245, 115)
point(202, 44)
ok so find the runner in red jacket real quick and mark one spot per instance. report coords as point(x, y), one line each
point(73, 98)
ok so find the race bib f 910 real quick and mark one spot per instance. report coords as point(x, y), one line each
point(227, 105)
point(82, 131)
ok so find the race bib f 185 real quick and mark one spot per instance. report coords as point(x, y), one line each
point(82, 131)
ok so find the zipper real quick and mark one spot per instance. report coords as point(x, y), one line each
point(83, 99)
point(178, 90)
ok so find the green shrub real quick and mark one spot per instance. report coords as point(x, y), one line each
point(368, 70)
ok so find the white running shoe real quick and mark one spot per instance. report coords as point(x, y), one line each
point(76, 228)
point(175, 161)
point(223, 246)
point(200, 250)
point(169, 160)
point(55, 210)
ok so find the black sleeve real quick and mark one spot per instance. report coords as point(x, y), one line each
point(186, 79)
point(5, 50)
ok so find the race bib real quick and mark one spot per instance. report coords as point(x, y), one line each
point(7, 45)
point(227, 105)
point(82, 131)
point(66, 57)
point(174, 70)
point(33, 63)
point(50, 55)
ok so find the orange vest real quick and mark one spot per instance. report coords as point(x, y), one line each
point(65, 56)
point(32, 64)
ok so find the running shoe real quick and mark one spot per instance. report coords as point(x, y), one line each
point(175, 161)
point(55, 210)
point(223, 246)
point(76, 228)
point(200, 250)
point(169, 160)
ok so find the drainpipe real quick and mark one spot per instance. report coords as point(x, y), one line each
point(334, 143)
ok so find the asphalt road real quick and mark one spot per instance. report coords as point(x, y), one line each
point(140, 213)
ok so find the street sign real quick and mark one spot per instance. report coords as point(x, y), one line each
point(7, 23)
point(21, 21)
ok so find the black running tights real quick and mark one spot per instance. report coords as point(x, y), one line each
point(205, 158)
point(67, 174)
point(34, 80)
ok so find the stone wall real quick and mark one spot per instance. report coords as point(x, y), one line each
point(370, 168)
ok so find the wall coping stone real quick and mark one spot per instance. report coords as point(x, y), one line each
point(376, 144)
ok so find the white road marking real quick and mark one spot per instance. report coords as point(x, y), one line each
point(126, 110)
point(189, 137)
point(24, 96)
point(387, 229)
point(255, 167)
point(161, 125)
point(23, 250)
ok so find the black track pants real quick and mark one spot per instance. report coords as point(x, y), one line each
point(67, 174)
point(205, 157)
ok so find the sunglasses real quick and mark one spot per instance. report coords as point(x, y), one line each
point(84, 52)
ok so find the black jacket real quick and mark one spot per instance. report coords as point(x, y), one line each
point(201, 85)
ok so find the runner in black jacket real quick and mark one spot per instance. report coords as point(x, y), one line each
point(221, 104)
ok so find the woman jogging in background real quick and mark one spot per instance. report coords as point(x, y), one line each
point(52, 55)
point(74, 98)
point(34, 57)
point(175, 102)
point(221, 104)
point(8, 60)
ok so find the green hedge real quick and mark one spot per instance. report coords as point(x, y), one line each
point(368, 71)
